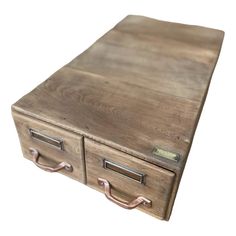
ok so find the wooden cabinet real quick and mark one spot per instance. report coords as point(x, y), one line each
point(121, 116)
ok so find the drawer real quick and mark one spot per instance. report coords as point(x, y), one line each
point(51, 148)
point(127, 181)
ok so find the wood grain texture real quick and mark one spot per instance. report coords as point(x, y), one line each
point(72, 152)
point(139, 86)
point(158, 182)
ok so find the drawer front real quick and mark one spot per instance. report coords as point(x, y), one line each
point(128, 181)
point(51, 148)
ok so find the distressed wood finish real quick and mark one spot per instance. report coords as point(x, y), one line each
point(157, 185)
point(72, 152)
point(141, 85)
point(145, 81)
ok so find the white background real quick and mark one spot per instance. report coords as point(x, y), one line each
point(36, 39)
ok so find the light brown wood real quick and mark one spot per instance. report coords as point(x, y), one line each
point(145, 81)
point(140, 86)
point(72, 152)
point(157, 185)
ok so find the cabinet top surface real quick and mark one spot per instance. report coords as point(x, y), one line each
point(141, 85)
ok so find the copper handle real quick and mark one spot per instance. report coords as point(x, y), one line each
point(127, 205)
point(60, 166)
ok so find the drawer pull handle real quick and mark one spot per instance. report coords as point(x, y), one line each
point(127, 205)
point(60, 166)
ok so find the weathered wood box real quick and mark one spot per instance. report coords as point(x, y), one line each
point(122, 115)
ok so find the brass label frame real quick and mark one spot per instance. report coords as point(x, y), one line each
point(55, 142)
point(125, 171)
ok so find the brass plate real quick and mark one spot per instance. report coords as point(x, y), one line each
point(166, 154)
